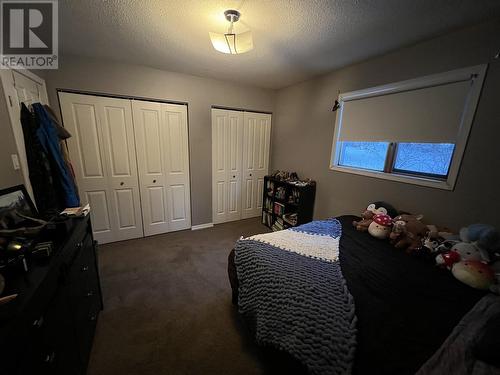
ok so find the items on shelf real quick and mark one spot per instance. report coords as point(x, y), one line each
point(270, 188)
point(287, 203)
point(290, 218)
point(291, 177)
point(279, 208)
point(280, 193)
point(278, 224)
point(268, 204)
point(284, 176)
point(294, 196)
point(267, 219)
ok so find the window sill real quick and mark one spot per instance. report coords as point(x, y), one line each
point(414, 180)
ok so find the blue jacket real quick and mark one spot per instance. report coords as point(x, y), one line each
point(47, 135)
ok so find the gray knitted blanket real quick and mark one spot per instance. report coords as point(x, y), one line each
point(291, 286)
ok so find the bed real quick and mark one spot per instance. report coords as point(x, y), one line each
point(405, 307)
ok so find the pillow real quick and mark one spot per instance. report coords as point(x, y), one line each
point(487, 348)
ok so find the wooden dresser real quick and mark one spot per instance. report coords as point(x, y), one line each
point(49, 327)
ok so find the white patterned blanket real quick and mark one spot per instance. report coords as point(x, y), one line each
point(291, 286)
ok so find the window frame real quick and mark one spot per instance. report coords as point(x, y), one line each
point(476, 73)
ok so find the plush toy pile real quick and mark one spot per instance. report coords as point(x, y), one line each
point(472, 256)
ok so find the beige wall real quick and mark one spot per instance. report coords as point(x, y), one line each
point(8, 176)
point(303, 127)
point(199, 93)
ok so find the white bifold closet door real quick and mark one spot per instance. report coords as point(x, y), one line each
point(161, 134)
point(256, 141)
point(131, 163)
point(102, 150)
point(240, 160)
point(227, 152)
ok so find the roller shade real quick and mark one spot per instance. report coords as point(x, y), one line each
point(430, 114)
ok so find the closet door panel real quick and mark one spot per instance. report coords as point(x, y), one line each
point(102, 149)
point(175, 135)
point(119, 144)
point(219, 175)
point(86, 133)
point(99, 214)
point(227, 138)
point(234, 149)
point(123, 180)
point(86, 148)
point(248, 188)
point(149, 136)
point(256, 138)
point(178, 203)
point(126, 211)
point(156, 203)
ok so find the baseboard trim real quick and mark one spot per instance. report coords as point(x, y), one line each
point(202, 226)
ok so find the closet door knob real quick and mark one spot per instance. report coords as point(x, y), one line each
point(234, 176)
point(250, 175)
point(121, 183)
point(154, 181)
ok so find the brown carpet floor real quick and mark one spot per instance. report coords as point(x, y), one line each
point(167, 308)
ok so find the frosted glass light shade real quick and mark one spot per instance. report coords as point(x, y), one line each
point(232, 43)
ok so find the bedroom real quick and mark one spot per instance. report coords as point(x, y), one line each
point(159, 268)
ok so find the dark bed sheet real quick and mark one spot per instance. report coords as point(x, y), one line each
point(406, 307)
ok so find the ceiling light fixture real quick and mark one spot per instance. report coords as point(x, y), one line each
point(230, 42)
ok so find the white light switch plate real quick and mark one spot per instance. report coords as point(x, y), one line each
point(15, 162)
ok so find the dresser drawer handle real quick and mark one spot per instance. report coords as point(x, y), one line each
point(79, 245)
point(93, 317)
point(49, 358)
point(89, 294)
point(85, 268)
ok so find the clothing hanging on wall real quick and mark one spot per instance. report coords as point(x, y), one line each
point(48, 137)
point(63, 135)
point(40, 173)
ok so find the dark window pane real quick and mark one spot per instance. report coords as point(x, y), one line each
point(424, 158)
point(365, 155)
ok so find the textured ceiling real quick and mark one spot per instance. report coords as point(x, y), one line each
point(294, 39)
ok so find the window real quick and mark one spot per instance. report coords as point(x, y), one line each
point(413, 131)
point(427, 159)
point(364, 155)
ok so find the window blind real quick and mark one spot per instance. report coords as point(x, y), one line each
point(428, 114)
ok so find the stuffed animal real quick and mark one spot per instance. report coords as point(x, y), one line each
point(366, 219)
point(448, 259)
point(413, 235)
point(373, 209)
point(436, 237)
point(398, 230)
point(485, 237)
point(460, 251)
point(495, 266)
point(474, 273)
point(380, 227)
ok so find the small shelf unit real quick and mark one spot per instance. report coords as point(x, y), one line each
point(285, 204)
